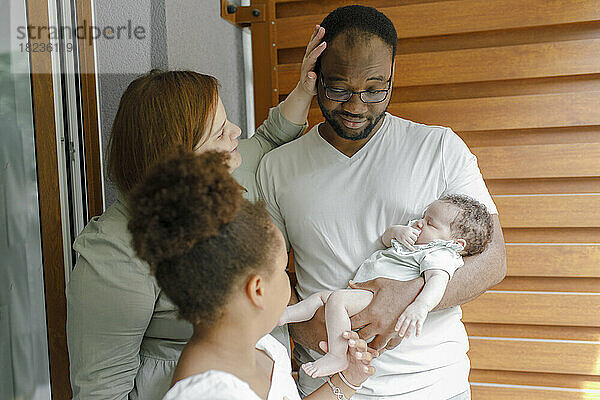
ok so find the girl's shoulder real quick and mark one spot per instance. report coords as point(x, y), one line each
point(214, 385)
point(274, 349)
point(220, 385)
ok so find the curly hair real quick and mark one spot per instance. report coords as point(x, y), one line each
point(359, 22)
point(473, 223)
point(200, 237)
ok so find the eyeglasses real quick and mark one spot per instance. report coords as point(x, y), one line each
point(366, 96)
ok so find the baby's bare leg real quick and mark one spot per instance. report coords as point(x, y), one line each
point(305, 309)
point(340, 306)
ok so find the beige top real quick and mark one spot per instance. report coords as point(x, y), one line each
point(123, 334)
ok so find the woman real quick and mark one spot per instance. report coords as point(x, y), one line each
point(222, 261)
point(123, 334)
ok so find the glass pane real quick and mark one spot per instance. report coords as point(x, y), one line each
point(24, 372)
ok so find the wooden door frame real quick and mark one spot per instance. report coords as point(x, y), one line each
point(260, 17)
point(264, 48)
point(42, 90)
point(89, 104)
point(48, 179)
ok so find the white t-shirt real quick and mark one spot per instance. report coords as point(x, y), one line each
point(332, 209)
point(219, 385)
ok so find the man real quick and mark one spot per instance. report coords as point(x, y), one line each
point(334, 191)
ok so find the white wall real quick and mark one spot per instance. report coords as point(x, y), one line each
point(200, 40)
point(182, 34)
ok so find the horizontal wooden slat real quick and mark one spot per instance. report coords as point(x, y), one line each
point(511, 112)
point(554, 260)
point(567, 357)
point(305, 7)
point(535, 332)
point(551, 235)
point(589, 382)
point(565, 309)
point(544, 284)
point(452, 17)
point(572, 381)
point(549, 211)
point(511, 37)
point(539, 161)
point(538, 60)
point(498, 89)
point(518, 137)
point(498, 63)
point(543, 186)
point(510, 393)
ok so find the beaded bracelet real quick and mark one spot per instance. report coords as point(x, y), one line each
point(337, 392)
point(343, 378)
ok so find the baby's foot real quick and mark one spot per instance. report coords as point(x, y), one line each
point(329, 364)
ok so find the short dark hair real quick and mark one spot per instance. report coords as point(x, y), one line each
point(473, 223)
point(359, 21)
point(200, 237)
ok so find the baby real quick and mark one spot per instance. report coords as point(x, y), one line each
point(433, 246)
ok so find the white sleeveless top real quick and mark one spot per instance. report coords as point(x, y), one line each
point(219, 385)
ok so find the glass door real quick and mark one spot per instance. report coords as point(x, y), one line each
point(24, 365)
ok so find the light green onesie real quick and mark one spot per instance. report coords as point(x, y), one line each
point(123, 334)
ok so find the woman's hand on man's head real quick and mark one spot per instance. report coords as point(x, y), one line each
point(308, 78)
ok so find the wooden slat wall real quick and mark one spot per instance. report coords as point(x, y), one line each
point(519, 81)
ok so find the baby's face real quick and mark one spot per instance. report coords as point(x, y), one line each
point(436, 221)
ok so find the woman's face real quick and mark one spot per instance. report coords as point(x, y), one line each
point(223, 137)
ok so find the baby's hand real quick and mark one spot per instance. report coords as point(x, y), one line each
point(417, 224)
point(412, 319)
point(407, 235)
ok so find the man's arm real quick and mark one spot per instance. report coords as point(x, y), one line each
point(391, 297)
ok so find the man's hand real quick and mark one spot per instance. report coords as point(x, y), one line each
point(378, 319)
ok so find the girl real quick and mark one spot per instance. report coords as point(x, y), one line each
point(222, 261)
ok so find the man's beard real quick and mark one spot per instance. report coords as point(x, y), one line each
point(341, 130)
